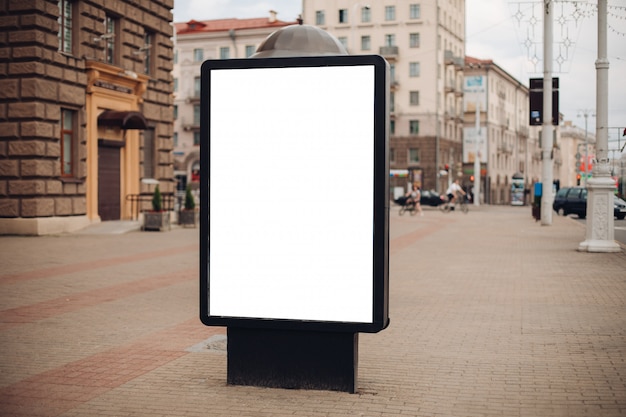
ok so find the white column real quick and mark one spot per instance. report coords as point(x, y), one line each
point(546, 129)
point(477, 156)
point(600, 232)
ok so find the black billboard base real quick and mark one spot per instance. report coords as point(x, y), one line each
point(292, 359)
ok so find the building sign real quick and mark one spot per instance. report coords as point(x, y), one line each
point(474, 93)
point(474, 99)
point(470, 136)
point(275, 250)
point(535, 98)
point(111, 86)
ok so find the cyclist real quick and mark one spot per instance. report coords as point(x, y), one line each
point(453, 190)
point(414, 197)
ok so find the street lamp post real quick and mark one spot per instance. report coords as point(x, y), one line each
point(600, 232)
point(547, 128)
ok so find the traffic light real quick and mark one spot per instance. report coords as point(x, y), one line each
point(577, 179)
point(471, 178)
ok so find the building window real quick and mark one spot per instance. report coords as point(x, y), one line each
point(147, 52)
point(390, 40)
point(175, 85)
point(343, 15)
point(176, 56)
point(392, 127)
point(344, 41)
point(250, 50)
point(175, 139)
point(366, 43)
point(392, 73)
point(68, 141)
point(392, 155)
point(414, 11)
point(196, 86)
point(196, 115)
point(149, 154)
point(366, 14)
point(414, 127)
point(225, 52)
point(65, 26)
point(196, 138)
point(392, 101)
point(390, 12)
point(414, 156)
point(414, 69)
point(110, 29)
point(414, 40)
point(414, 97)
point(320, 19)
point(198, 55)
point(175, 111)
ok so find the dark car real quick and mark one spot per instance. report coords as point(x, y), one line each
point(428, 198)
point(431, 198)
point(573, 200)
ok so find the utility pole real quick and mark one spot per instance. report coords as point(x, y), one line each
point(586, 114)
point(477, 157)
point(547, 129)
point(437, 128)
point(600, 232)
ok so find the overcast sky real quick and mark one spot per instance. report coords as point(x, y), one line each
point(501, 30)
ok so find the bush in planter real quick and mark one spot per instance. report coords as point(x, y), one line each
point(157, 219)
point(188, 214)
point(157, 199)
point(190, 202)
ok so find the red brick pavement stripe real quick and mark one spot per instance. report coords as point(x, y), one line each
point(65, 304)
point(95, 264)
point(61, 305)
point(402, 242)
point(56, 391)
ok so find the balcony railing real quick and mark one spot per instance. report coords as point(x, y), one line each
point(389, 52)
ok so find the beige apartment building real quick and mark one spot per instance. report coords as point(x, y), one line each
point(507, 145)
point(575, 145)
point(85, 111)
point(424, 43)
point(197, 41)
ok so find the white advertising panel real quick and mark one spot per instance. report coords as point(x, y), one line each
point(474, 93)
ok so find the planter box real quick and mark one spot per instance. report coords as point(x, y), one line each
point(159, 220)
point(188, 218)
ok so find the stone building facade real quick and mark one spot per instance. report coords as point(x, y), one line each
point(85, 111)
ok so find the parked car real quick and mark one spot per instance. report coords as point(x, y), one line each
point(431, 198)
point(621, 206)
point(573, 200)
point(428, 198)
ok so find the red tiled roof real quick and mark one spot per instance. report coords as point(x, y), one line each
point(471, 60)
point(222, 25)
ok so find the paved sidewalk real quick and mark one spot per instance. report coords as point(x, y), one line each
point(492, 314)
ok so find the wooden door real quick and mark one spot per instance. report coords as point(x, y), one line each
point(109, 187)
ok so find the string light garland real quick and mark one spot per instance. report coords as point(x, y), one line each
point(567, 18)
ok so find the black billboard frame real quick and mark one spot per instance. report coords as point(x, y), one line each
point(380, 220)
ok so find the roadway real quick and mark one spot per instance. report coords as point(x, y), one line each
point(619, 226)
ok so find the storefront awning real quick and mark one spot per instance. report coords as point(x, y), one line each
point(122, 119)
